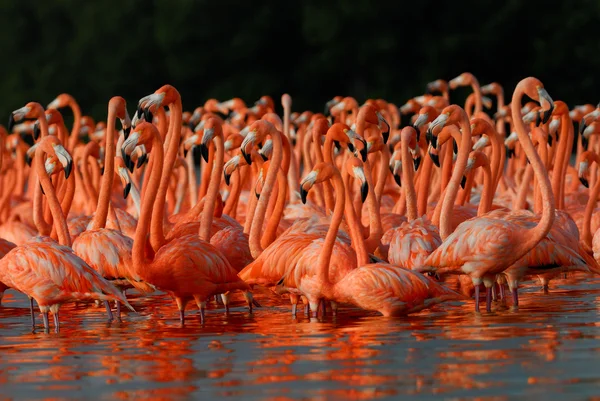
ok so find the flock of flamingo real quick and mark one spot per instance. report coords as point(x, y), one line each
point(341, 207)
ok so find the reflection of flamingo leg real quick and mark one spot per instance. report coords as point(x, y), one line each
point(515, 295)
point(32, 312)
point(502, 294)
point(488, 299)
point(46, 323)
point(108, 311)
point(56, 323)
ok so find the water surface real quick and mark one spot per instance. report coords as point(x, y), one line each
point(549, 348)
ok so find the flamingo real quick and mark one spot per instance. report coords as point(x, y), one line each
point(390, 290)
point(47, 271)
point(485, 246)
point(189, 268)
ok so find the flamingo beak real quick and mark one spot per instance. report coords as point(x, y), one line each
point(463, 182)
point(36, 131)
point(64, 158)
point(417, 162)
point(435, 158)
point(126, 190)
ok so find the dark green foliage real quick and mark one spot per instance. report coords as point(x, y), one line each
point(310, 49)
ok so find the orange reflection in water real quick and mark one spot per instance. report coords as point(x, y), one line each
point(551, 341)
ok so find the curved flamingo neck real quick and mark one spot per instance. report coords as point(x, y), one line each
point(454, 184)
point(101, 214)
point(326, 251)
point(270, 233)
point(74, 137)
point(560, 160)
point(424, 182)
point(532, 236)
point(408, 174)
point(213, 187)
point(354, 225)
point(57, 214)
point(157, 236)
point(261, 207)
point(141, 231)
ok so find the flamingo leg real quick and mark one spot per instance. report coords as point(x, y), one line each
point(118, 311)
point(488, 299)
point(181, 317)
point(515, 296)
point(32, 312)
point(494, 292)
point(108, 311)
point(202, 315)
point(46, 322)
point(294, 308)
point(306, 309)
point(225, 299)
point(314, 309)
point(334, 308)
point(322, 308)
point(545, 288)
point(477, 298)
point(294, 302)
point(502, 294)
point(56, 323)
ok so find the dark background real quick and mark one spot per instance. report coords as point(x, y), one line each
point(311, 49)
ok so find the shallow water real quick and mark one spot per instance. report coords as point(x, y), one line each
point(549, 348)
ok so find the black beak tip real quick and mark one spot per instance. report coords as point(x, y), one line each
point(68, 169)
point(148, 115)
point(185, 152)
point(386, 136)
point(126, 132)
point(584, 142)
point(463, 182)
point(126, 190)
point(397, 179)
point(338, 146)
point(363, 153)
point(303, 195)
point(417, 162)
point(247, 157)
point(584, 182)
point(547, 114)
point(102, 170)
point(435, 159)
point(227, 178)
point(257, 194)
point(364, 192)
point(418, 131)
point(28, 160)
point(36, 131)
point(550, 140)
point(582, 127)
point(204, 152)
point(141, 160)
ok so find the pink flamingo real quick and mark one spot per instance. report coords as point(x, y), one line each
point(485, 246)
point(50, 272)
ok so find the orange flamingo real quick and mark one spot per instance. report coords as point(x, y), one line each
point(50, 272)
point(189, 268)
point(486, 246)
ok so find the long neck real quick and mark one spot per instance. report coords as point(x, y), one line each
point(454, 184)
point(157, 236)
point(407, 181)
point(382, 176)
point(521, 198)
point(533, 236)
point(141, 231)
point(261, 207)
point(477, 93)
point(213, 187)
point(57, 214)
point(338, 214)
point(236, 190)
point(424, 181)
point(87, 181)
point(66, 201)
point(326, 186)
point(109, 172)
point(354, 225)
point(270, 233)
point(74, 138)
point(20, 170)
point(373, 241)
point(485, 203)
point(559, 163)
point(586, 235)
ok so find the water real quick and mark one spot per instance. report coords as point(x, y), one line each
point(548, 348)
